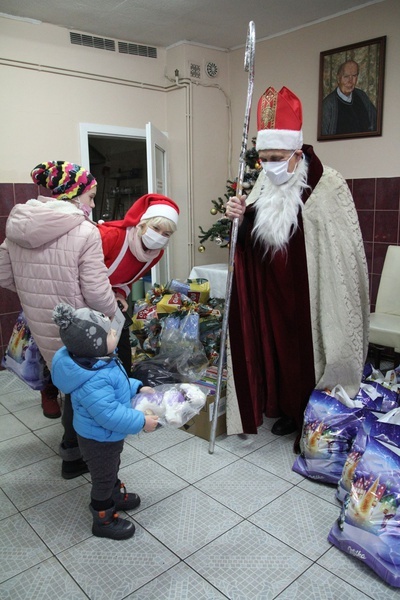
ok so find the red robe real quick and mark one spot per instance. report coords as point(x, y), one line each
point(270, 325)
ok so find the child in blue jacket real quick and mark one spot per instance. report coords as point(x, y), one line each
point(101, 394)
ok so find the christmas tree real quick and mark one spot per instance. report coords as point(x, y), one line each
point(219, 232)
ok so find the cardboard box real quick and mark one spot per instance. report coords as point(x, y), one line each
point(201, 424)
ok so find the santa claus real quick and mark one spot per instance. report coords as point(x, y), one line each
point(300, 305)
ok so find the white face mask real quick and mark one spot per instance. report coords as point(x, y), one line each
point(277, 172)
point(153, 240)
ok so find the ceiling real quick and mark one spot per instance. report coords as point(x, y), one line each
point(161, 23)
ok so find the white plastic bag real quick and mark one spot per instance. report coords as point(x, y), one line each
point(174, 404)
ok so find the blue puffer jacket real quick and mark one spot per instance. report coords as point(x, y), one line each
point(101, 394)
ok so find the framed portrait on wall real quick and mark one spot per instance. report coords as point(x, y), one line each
point(351, 90)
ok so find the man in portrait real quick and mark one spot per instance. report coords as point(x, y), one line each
point(347, 109)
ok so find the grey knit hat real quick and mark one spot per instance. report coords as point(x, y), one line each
point(83, 331)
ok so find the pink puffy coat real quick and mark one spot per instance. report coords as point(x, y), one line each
point(52, 254)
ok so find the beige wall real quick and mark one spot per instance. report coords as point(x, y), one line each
point(293, 60)
point(50, 86)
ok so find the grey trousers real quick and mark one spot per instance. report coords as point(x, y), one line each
point(103, 460)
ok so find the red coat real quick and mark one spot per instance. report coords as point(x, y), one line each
point(123, 267)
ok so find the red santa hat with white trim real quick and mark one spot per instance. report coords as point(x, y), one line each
point(146, 207)
point(279, 121)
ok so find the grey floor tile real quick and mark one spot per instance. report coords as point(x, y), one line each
point(194, 505)
point(321, 490)
point(357, 574)
point(63, 521)
point(11, 427)
point(7, 508)
point(51, 435)
point(278, 458)
point(37, 483)
point(320, 584)
point(299, 519)
point(243, 487)
point(192, 461)
point(33, 418)
point(151, 481)
point(3, 409)
point(45, 581)
point(162, 438)
point(179, 583)
point(246, 563)
point(20, 547)
point(111, 570)
point(21, 451)
point(10, 383)
point(187, 521)
point(130, 455)
point(244, 444)
point(20, 397)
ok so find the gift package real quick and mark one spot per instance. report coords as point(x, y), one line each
point(23, 358)
point(175, 340)
point(172, 332)
point(369, 523)
point(355, 444)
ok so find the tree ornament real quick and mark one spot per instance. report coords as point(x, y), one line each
point(213, 211)
point(201, 248)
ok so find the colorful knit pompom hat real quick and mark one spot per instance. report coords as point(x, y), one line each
point(65, 180)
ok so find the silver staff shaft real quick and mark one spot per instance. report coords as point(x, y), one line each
point(248, 66)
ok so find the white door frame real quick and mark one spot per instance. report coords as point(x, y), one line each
point(157, 182)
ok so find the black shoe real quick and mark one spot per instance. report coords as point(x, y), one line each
point(108, 524)
point(73, 468)
point(123, 500)
point(284, 426)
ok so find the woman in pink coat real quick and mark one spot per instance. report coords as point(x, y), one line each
point(52, 253)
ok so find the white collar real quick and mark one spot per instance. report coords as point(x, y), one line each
point(342, 96)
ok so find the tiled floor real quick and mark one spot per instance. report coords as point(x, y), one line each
point(237, 524)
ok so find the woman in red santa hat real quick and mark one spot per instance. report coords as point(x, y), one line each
point(133, 246)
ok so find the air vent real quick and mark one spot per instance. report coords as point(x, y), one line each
point(211, 69)
point(93, 42)
point(137, 50)
point(194, 70)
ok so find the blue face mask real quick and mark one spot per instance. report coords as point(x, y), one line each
point(277, 171)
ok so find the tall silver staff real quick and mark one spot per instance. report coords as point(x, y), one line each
point(248, 66)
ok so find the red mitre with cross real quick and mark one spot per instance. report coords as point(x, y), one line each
point(279, 120)
point(146, 207)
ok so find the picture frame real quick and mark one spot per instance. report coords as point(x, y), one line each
point(351, 80)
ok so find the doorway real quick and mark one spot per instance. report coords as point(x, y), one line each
point(120, 168)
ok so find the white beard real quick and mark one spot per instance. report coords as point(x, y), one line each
point(277, 208)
